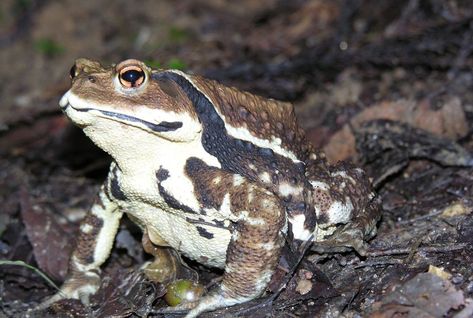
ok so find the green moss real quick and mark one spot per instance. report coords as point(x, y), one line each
point(49, 47)
point(153, 63)
point(173, 63)
point(177, 34)
point(176, 63)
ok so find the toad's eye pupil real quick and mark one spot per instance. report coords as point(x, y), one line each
point(132, 76)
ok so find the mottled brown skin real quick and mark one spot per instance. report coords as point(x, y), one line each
point(86, 240)
point(232, 170)
point(264, 117)
point(267, 118)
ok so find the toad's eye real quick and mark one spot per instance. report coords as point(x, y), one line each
point(131, 76)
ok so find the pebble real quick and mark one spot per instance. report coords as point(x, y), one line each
point(469, 288)
point(457, 279)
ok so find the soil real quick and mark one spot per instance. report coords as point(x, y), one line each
point(385, 84)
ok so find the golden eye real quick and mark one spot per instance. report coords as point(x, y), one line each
point(131, 76)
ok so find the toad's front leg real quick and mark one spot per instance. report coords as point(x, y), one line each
point(96, 236)
point(256, 241)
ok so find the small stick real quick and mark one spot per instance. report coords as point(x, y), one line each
point(425, 249)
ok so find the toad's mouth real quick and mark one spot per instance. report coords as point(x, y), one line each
point(124, 118)
point(162, 126)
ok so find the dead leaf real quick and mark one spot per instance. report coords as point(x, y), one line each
point(341, 145)
point(387, 146)
point(448, 121)
point(52, 246)
point(439, 272)
point(457, 208)
point(424, 296)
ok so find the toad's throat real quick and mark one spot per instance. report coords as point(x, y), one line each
point(162, 126)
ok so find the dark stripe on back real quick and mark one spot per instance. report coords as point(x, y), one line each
point(233, 154)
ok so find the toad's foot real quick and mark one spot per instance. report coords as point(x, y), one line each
point(79, 286)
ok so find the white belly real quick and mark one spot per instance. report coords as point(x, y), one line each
point(184, 236)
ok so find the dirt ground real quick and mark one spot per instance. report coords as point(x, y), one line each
point(385, 84)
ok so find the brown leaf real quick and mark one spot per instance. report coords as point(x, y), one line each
point(449, 121)
point(51, 244)
point(389, 145)
point(425, 295)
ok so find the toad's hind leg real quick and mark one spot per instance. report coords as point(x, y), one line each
point(256, 240)
point(252, 256)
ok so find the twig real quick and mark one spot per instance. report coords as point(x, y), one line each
point(379, 263)
point(422, 217)
point(414, 249)
point(426, 249)
point(350, 301)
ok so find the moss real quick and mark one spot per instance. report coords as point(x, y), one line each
point(176, 63)
point(49, 47)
